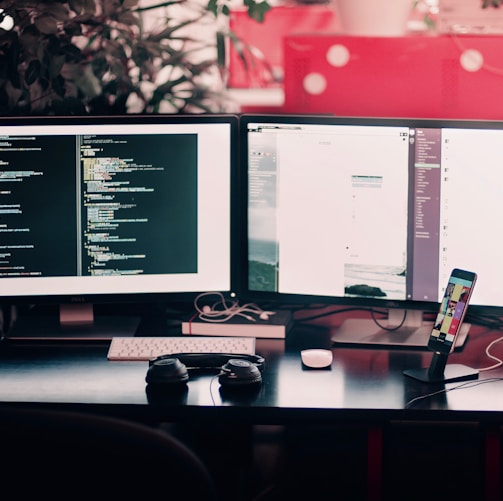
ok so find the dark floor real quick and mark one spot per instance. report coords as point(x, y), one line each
point(420, 461)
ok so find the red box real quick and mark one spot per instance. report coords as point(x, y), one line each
point(444, 76)
point(267, 40)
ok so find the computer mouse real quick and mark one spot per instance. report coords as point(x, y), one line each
point(317, 358)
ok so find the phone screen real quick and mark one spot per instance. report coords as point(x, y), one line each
point(452, 310)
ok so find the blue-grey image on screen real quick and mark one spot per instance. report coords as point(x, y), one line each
point(263, 265)
point(374, 281)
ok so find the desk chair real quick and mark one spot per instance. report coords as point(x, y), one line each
point(55, 454)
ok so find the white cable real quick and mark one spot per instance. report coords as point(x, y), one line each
point(223, 310)
point(498, 360)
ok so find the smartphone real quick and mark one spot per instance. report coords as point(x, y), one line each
point(452, 311)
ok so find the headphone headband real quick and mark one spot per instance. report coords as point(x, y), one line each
point(204, 361)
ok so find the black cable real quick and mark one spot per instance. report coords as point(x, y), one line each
point(385, 327)
point(372, 312)
point(335, 312)
point(491, 321)
point(467, 384)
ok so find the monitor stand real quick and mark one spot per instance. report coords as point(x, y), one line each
point(75, 322)
point(413, 333)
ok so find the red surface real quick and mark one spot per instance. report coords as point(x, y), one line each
point(267, 38)
point(415, 76)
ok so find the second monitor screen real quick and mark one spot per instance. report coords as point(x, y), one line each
point(381, 210)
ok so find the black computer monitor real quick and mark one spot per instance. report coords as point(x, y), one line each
point(98, 210)
point(371, 212)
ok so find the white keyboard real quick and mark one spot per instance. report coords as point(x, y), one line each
point(145, 348)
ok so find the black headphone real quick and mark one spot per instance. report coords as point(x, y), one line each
point(234, 370)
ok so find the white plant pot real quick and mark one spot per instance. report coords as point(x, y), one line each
point(373, 17)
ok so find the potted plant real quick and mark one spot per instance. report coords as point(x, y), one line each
point(98, 57)
point(371, 18)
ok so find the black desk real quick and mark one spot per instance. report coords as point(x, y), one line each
point(364, 386)
point(362, 383)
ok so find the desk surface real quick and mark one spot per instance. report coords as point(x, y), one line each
point(362, 383)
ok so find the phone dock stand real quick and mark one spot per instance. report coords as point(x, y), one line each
point(441, 372)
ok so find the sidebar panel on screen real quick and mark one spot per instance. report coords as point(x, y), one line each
point(38, 214)
point(426, 196)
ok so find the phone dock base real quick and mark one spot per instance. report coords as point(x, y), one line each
point(452, 373)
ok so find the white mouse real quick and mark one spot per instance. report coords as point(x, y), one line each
point(317, 358)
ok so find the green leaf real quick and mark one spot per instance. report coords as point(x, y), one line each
point(89, 7)
point(55, 65)
point(73, 29)
point(68, 106)
point(44, 83)
point(46, 24)
point(491, 3)
point(76, 6)
point(99, 65)
point(258, 11)
point(212, 6)
point(72, 53)
point(58, 85)
point(117, 69)
point(221, 52)
point(32, 72)
point(58, 11)
point(128, 18)
point(140, 54)
point(129, 4)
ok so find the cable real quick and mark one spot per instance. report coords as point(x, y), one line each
point(385, 327)
point(499, 362)
point(335, 312)
point(223, 310)
point(212, 381)
point(468, 384)
point(372, 312)
point(491, 321)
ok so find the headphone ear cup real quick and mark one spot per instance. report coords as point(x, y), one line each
point(167, 371)
point(239, 373)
